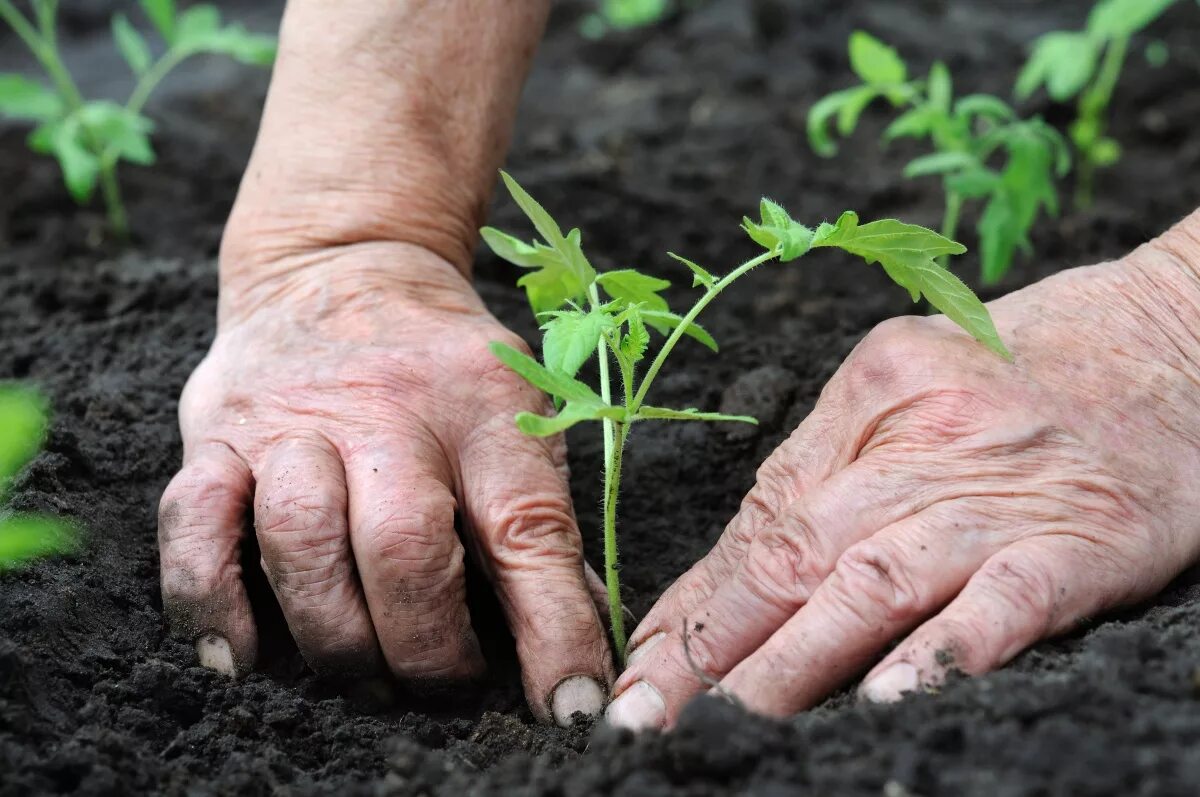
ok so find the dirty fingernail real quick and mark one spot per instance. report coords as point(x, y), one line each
point(891, 684)
point(640, 707)
point(215, 654)
point(578, 693)
point(643, 648)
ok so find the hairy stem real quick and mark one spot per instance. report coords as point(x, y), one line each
point(954, 202)
point(1093, 105)
point(612, 578)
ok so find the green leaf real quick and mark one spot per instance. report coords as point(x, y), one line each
point(80, 167)
point(195, 25)
point(700, 276)
point(571, 414)
point(663, 323)
point(819, 116)
point(984, 105)
point(973, 183)
point(162, 15)
point(778, 232)
point(1118, 19)
point(545, 225)
point(24, 537)
point(628, 286)
point(914, 123)
point(999, 237)
point(571, 338)
point(22, 98)
point(1064, 62)
point(132, 46)
point(22, 426)
point(940, 89)
point(940, 163)
point(635, 342)
point(690, 414)
point(556, 384)
point(875, 62)
point(852, 108)
point(908, 254)
point(625, 14)
point(119, 129)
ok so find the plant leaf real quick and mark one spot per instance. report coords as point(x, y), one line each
point(120, 129)
point(914, 123)
point(940, 163)
point(571, 339)
point(700, 276)
point(571, 414)
point(556, 384)
point(908, 254)
point(940, 88)
point(875, 62)
point(852, 108)
point(162, 15)
point(628, 286)
point(131, 44)
point(80, 167)
point(634, 343)
point(973, 183)
point(689, 414)
point(1062, 61)
point(22, 98)
point(663, 323)
point(24, 537)
point(22, 427)
point(1116, 19)
point(778, 232)
point(819, 116)
point(984, 105)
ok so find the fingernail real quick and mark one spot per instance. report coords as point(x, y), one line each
point(635, 654)
point(640, 707)
point(578, 693)
point(891, 684)
point(215, 654)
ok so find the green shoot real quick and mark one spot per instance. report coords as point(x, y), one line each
point(89, 138)
point(623, 15)
point(608, 315)
point(24, 536)
point(1087, 64)
point(966, 135)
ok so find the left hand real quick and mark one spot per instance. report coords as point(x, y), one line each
point(939, 492)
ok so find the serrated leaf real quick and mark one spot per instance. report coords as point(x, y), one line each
point(628, 286)
point(908, 254)
point(1115, 19)
point(162, 15)
point(635, 341)
point(571, 338)
point(778, 232)
point(663, 323)
point(22, 98)
point(1061, 61)
point(24, 537)
point(875, 62)
point(131, 45)
point(940, 163)
point(22, 426)
point(940, 89)
point(700, 275)
point(556, 384)
point(690, 414)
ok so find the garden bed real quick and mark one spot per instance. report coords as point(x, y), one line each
point(651, 141)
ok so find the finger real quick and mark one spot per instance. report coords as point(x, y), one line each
point(777, 574)
point(1033, 589)
point(518, 505)
point(796, 467)
point(300, 512)
point(410, 560)
point(201, 522)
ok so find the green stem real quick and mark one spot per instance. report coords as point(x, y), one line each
point(612, 579)
point(954, 203)
point(1092, 106)
point(44, 50)
point(152, 77)
point(678, 332)
point(110, 187)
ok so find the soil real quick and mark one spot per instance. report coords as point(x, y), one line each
point(649, 141)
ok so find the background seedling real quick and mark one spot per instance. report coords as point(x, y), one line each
point(24, 536)
point(966, 135)
point(623, 15)
point(1087, 64)
point(586, 312)
point(90, 137)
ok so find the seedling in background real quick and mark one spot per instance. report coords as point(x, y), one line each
point(611, 312)
point(966, 136)
point(89, 138)
point(24, 536)
point(1087, 64)
point(623, 15)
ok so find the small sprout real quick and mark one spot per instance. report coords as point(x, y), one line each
point(966, 135)
point(24, 536)
point(89, 138)
point(1087, 64)
point(623, 15)
point(607, 315)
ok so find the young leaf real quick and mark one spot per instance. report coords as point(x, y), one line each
point(162, 15)
point(940, 163)
point(914, 123)
point(132, 46)
point(778, 232)
point(819, 117)
point(195, 26)
point(24, 537)
point(1062, 61)
point(634, 343)
point(700, 276)
point(663, 323)
point(940, 89)
point(80, 167)
point(23, 421)
point(571, 338)
point(1115, 19)
point(984, 105)
point(572, 413)
point(116, 127)
point(973, 183)
point(690, 414)
point(875, 62)
point(628, 286)
point(849, 111)
point(22, 98)
point(908, 254)
point(556, 384)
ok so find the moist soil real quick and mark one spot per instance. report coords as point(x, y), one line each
point(650, 141)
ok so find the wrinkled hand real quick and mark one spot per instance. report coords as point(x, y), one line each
point(354, 408)
point(941, 496)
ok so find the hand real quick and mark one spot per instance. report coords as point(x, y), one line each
point(962, 504)
point(351, 404)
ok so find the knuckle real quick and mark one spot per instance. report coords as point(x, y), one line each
point(784, 564)
point(534, 524)
point(872, 582)
point(1018, 583)
point(198, 493)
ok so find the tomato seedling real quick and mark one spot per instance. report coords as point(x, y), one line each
point(586, 312)
point(966, 135)
point(623, 15)
point(1087, 64)
point(24, 536)
point(90, 137)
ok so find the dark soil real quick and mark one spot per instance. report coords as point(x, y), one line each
point(651, 141)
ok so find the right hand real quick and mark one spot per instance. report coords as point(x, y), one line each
point(351, 403)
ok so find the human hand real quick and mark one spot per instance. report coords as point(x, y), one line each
point(350, 402)
point(965, 505)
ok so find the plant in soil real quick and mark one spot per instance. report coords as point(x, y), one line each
point(1087, 64)
point(89, 138)
point(966, 135)
point(24, 536)
point(608, 314)
point(623, 15)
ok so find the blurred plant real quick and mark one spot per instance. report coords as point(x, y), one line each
point(1087, 64)
point(623, 15)
point(90, 137)
point(966, 136)
point(565, 293)
point(24, 536)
